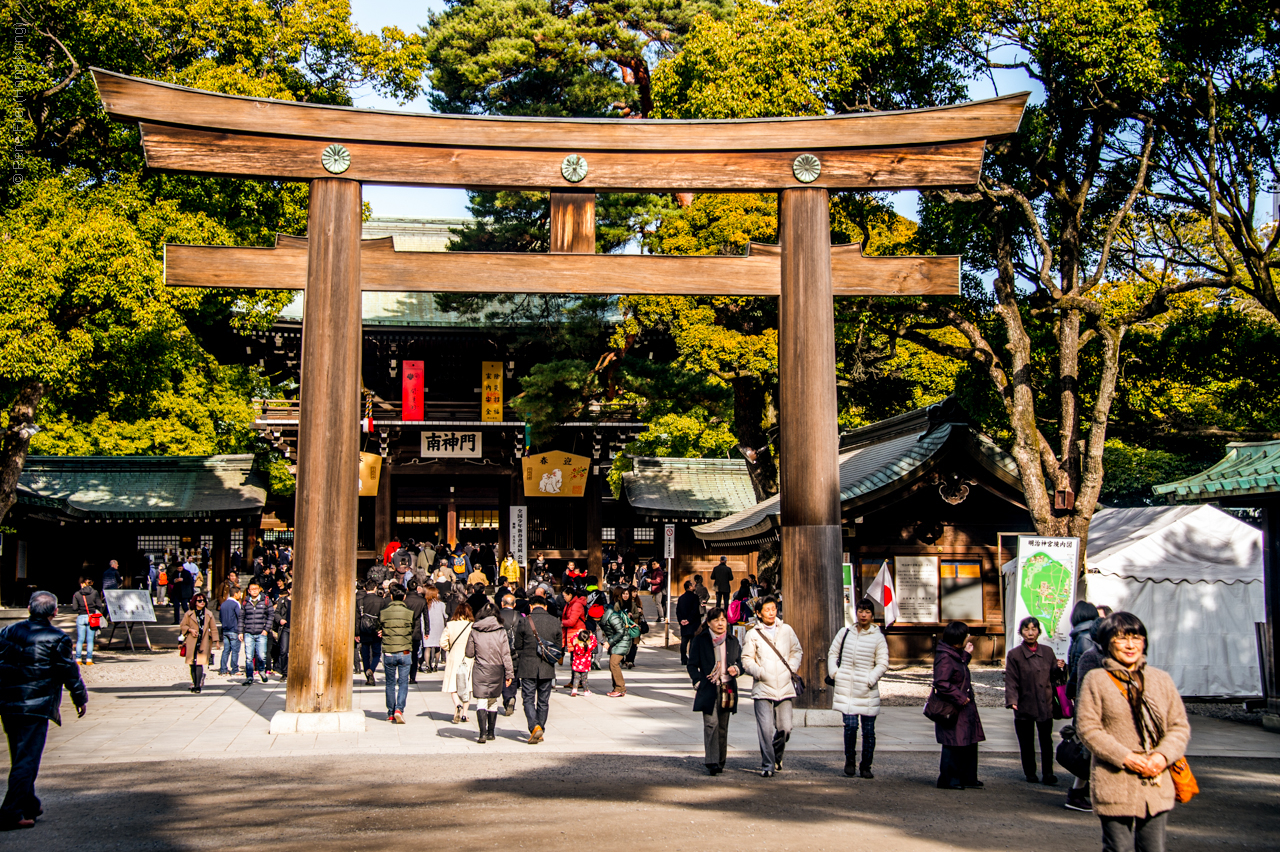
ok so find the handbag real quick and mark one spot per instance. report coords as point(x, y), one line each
point(1072, 754)
point(939, 710)
point(831, 679)
point(95, 618)
point(1063, 707)
point(1184, 782)
point(549, 652)
point(797, 682)
point(727, 696)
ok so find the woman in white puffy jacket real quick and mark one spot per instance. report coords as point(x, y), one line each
point(859, 656)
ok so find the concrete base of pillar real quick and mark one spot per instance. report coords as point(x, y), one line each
point(1271, 723)
point(348, 722)
point(818, 719)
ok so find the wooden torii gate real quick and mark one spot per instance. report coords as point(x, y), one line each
point(338, 148)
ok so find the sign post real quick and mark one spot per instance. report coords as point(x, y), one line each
point(517, 543)
point(1045, 587)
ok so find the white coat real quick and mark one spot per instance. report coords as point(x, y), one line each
point(433, 620)
point(455, 642)
point(773, 681)
point(863, 663)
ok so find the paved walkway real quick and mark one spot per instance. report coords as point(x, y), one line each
point(156, 721)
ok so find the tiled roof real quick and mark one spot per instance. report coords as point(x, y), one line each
point(868, 471)
point(1249, 469)
point(689, 487)
point(142, 486)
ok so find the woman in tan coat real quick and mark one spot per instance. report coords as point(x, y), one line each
point(1132, 720)
point(199, 633)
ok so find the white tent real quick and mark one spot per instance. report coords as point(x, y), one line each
point(1193, 574)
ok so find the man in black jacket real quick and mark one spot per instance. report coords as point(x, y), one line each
point(417, 605)
point(369, 606)
point(510, 620)
point(689, 614)
point(722, 577)
point(537, 676)
point(35, 664)
point(257, 615)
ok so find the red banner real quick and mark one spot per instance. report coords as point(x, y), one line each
point(411, 406)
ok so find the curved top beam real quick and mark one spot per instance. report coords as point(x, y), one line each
point(133, 99)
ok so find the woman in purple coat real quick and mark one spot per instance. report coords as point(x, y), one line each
point(958, 768)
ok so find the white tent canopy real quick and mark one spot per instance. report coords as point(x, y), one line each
point(1193, 574)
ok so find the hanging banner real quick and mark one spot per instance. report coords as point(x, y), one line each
point(1046, 588)
point(491, 392)
point(412, 406)
point(669, 541)
point(370, 472)
point(555, 474)
point(518, 548)
point(452, 445)
point(915, 581)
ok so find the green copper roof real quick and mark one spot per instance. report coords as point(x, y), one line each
point(142, 486)
point(1249, 469)
point(702, 488)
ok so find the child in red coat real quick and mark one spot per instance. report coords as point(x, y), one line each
point(583, 649)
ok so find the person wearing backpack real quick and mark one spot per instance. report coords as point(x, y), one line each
point(857, 659)
point(368, 608)
point(537, 674)
point(460, 564)
point(771, 655)
point(620, 631)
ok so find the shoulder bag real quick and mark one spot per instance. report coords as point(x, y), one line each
point(1184, 783)
point(797, 682)
point(831, 678)
point(95, 618)
point(549, 652)
point(939, 710)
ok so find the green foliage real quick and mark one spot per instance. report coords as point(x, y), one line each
point(1132, 470)
point(689, 434)
point(280, 482)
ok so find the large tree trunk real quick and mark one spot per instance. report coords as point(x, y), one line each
point(17, 439)
point(749, 403)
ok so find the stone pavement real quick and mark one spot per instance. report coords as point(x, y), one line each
point(156, 718)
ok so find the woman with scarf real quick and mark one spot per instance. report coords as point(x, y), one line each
point(199, 633)
point(1133, 721)
point(958, 768)
point(715, 661)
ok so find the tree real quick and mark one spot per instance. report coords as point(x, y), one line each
point(93, 344)
point(1046, 327)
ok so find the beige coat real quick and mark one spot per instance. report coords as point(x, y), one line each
point(454, 641)
point(1105, 724)
point(187, 631)
point(773, 681)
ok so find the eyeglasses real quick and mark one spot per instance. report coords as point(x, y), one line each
point(1129, 639)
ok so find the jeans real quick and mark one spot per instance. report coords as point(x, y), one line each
point(396, 674)
point(26, 735)
point(958, 763)
point(715, 736)
point(1026, 729)
point(230, 651)
point(370, 652)
point(1134, 834)
point(537, 700)
point(84, 636)
point(773, 725)
point(851, 739)
point(256, 649)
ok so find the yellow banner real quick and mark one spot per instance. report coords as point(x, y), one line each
point(555, 475)
point(491, 392)
point(370, 471)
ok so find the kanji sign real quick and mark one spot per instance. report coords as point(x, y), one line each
point(518, 547)
point(669, 542)
point(456, 445)
point(491, 392)
point(411, 390)
point(370, 472)
point(555, 474)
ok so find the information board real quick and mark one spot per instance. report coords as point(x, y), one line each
point(916, 583)
point(129, 604)
point(518, 548)
point(1046, 588)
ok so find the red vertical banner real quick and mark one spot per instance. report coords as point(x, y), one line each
point(411, 405)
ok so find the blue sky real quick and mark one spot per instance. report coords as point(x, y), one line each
point(415, 202)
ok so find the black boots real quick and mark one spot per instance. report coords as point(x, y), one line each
point(493, 720)
point(486, 719)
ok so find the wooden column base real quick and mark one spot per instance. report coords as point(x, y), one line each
point(812, 597)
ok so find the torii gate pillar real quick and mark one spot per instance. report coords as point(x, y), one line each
point(324, 574)
point(809, 477)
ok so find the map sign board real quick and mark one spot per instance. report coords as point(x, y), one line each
point(915, 580)
point(1046, 588)
point(129, 605)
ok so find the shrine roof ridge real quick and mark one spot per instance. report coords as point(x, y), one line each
point(129, 98)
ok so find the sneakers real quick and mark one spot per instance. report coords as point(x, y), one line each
point(391, 717)
point(248, 682)
point(397, 717)
point(88, 662)
point(535, 736)
point(1049, 780)
point(766, 773)
point(1078, 802)
point(616, 694)
point(263, 675)
point(586, 692)
point(573, 694)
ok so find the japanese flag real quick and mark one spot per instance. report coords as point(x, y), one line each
point(881, 591)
